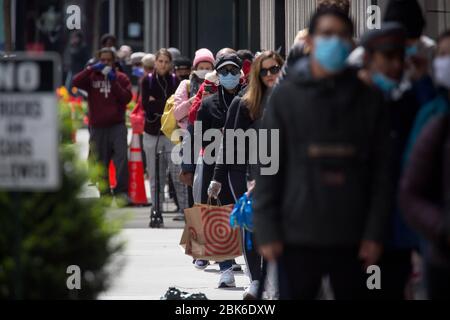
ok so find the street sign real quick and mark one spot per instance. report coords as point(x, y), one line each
point(29, 135)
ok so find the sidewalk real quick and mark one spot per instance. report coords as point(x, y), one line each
point(152, 260)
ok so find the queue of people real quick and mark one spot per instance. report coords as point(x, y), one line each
point(362, 129)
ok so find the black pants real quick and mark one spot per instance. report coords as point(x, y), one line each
point(300, 272)
point(111, 144)
point(438, 279)
point(396, 269)
point(252, 258)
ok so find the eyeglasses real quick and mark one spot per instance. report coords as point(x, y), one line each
point(273, 71)
point(225, 71)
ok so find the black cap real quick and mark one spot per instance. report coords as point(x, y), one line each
point(228, 59)
point(182, 63)
point(409, 14)
point(391, 36)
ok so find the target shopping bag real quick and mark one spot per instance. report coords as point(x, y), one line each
point(208, 234)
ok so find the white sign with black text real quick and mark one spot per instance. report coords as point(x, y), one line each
point(29, 123)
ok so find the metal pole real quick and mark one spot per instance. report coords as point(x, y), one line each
point(16, 212)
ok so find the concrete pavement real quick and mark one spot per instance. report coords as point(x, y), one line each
point(153, 261)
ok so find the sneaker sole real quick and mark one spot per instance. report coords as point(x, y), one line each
point(200, 268)
point(223, 285)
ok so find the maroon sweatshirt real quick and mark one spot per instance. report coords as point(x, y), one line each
point(107, 100)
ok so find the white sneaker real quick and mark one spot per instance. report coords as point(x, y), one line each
point(227, 279)
point(251, 293)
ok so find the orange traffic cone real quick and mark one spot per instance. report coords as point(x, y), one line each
point(112, 175)
point(136, 187)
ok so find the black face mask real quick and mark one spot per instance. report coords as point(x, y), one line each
point(185, 77)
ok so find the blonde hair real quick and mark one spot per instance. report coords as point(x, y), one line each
point(256, 88)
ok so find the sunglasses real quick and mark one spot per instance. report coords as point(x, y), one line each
point(273, 71)
point(224, 71)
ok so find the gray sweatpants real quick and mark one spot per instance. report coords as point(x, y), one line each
point(165, 146)
point(111, 144)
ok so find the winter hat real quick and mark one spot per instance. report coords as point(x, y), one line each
point(409, 14)
point(182, 63)
point(137, 57)
point(174, 52)
point(203, 55)
point(391, 36)
point(228, 59)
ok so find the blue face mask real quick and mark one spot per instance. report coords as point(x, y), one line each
point(384, 83)
point(229, 81)
point(138, 72)
point(412, 50)
point(331, 53)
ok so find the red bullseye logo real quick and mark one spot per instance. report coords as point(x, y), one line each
point(220, 238)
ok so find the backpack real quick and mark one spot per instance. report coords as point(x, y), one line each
point(168, 122)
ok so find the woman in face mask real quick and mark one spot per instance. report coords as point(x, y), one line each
point(245, 114)
point(212, 115)
point(186, 91)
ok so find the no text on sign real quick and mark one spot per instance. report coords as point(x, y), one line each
point(29, 135)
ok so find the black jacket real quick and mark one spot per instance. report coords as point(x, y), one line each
point(160, 88)
point(233, 173)
point(321, 196)
point(212, 114)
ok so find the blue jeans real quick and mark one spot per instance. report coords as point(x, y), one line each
point(225, 265)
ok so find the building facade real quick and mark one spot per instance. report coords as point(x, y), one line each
point(147, 25)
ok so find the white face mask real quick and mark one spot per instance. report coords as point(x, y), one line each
point(201, 73)
point(441, 67)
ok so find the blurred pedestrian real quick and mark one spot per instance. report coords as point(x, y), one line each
point(188, 88)
point(157, 87)
point(75, 57)
point(245, 114)
point(300, 47)
point(175, 53)
point(182, 67)
point(325, 210)
point(247, 58)
point(384, 67)
point(425, 180)
point(212, 115)
point(109, 92)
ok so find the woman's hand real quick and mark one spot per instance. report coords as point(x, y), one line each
point(214, 189)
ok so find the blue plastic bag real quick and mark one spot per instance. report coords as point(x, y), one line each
point(242, 216)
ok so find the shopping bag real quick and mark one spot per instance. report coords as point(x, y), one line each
point(210, 236)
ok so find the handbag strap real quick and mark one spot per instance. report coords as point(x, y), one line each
point(209, 202)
